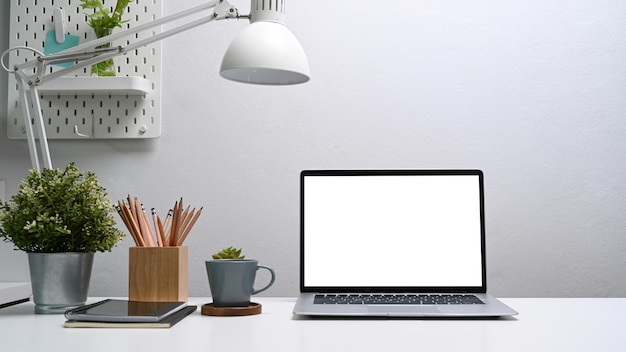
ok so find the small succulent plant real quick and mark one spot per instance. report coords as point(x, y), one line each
point(229, 253)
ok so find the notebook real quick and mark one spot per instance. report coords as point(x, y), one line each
point(407, 243)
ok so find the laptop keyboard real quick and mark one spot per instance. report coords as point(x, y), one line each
point(424, 299)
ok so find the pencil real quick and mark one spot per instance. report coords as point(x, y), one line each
point(161, 232)
point(122, 215)
point(122, 210)
point(188, 227)
point(176, 223)
point(143, 225)
point(169, 233)
point(134, 227)
point(185, 219)
point(165, 231)
point(156, 228)
point(131, 206)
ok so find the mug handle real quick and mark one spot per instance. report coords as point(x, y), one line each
point(254, 292)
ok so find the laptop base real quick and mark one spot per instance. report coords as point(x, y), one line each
point(492, 308)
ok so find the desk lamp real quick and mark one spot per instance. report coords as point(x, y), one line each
point(265, 52)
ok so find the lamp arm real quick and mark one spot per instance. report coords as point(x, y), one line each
point(33, 73)
point(25, 102)
point(85, 55)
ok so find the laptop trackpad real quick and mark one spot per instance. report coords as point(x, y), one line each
point(402, 309)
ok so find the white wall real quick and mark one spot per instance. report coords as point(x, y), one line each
point(532, 92)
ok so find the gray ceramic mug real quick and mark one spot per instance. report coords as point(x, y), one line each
point(232, 281)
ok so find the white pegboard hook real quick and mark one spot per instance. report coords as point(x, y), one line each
point(81, 134)
point(59, 24)
point(92, 135)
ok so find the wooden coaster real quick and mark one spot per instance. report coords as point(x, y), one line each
point(210, 309)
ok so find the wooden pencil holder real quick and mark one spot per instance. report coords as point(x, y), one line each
point(158, 274)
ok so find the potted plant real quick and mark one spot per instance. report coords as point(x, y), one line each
point(103, 21)
point(232, 277)
point(229, 253)
point(60, 218)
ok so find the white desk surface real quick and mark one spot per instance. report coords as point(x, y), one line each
point(544, 324)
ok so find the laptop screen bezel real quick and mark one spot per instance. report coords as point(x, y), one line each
point(395, 289)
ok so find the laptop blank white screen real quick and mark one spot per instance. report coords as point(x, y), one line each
point(392, 231)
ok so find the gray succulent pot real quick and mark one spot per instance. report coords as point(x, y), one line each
point(60, 281)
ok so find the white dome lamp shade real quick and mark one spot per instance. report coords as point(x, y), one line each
point(266, 52)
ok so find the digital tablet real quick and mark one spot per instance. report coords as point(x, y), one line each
point(115, 310)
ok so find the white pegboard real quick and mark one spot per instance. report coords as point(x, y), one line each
point(107, 115)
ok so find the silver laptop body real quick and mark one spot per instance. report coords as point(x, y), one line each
point(406, 243)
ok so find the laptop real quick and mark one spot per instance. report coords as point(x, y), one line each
point(406, 243)
point(12, 293)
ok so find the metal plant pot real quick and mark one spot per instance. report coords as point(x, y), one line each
point(60, 281)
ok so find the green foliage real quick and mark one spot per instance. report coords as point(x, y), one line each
point(102, 20)
point(229, 253)
point(59, 211)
